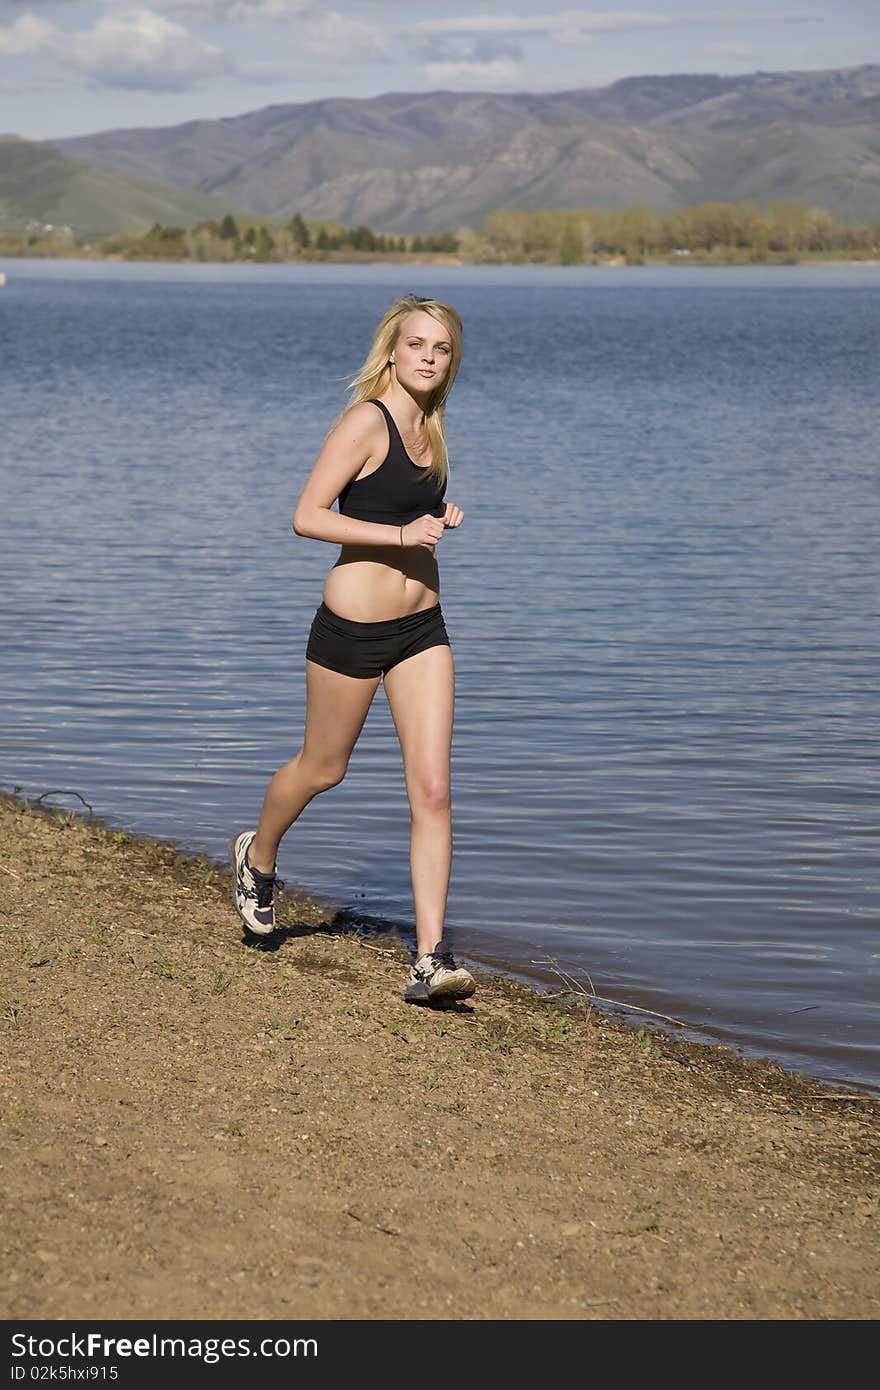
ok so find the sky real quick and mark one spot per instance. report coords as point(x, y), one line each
point(73, 67)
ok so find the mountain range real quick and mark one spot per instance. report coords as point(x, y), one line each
point(421, 162)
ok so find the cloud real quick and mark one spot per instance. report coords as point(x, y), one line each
point(499, 73)
point(26, 37)
point(274, 11)
point(331, 35)
point(461, 48)
point(140, 49)
point(325, 33)
point(481, 61)
point(579, 26)
point(135, 48)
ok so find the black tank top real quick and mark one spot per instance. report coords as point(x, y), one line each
point(397, 491)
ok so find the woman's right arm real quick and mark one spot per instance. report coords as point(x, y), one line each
point(358, 437)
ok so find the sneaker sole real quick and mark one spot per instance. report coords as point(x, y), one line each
point(450, 989)
point(252, 931)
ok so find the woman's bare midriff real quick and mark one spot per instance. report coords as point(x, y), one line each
point(372, 584)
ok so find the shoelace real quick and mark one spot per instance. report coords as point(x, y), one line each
point(266, 886)
point(444, 958)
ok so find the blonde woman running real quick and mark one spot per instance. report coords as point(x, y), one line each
point(380, 619)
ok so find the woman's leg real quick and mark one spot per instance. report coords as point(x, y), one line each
point(336, 707)
point(421, 695)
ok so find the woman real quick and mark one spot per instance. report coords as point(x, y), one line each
point(385, 460)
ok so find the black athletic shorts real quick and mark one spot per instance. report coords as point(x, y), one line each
point(371, 649)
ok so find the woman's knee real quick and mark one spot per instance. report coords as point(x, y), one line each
point(431, 792)
point(321, 774)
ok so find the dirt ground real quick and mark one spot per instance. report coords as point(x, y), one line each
point(198, 1128)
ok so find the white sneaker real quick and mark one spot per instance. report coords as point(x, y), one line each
point(435, 977)
point(254, 892)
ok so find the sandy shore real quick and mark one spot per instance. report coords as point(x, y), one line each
point(195, 1128)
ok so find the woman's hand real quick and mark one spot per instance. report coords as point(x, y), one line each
point(425, 530)
point(428, 529)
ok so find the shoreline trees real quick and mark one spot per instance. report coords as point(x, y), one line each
point(708, 233)
point(743, 232)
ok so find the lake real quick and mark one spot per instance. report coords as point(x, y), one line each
point(663, 604)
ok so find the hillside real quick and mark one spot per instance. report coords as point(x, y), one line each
point(418, 162)
point(37, 183)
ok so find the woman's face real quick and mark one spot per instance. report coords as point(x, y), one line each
point(422, 353)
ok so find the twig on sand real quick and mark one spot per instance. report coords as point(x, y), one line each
point(571, 982)
point(11, 872)
point(376, 1225)
point(573, 986)
point(365, 946)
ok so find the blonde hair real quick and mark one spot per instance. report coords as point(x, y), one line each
point(374, 376)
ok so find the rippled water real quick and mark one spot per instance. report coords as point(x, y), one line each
point(663, 604)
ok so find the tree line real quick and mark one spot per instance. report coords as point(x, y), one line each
point(714, 232)
point(231, 239)
point(741, 231)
